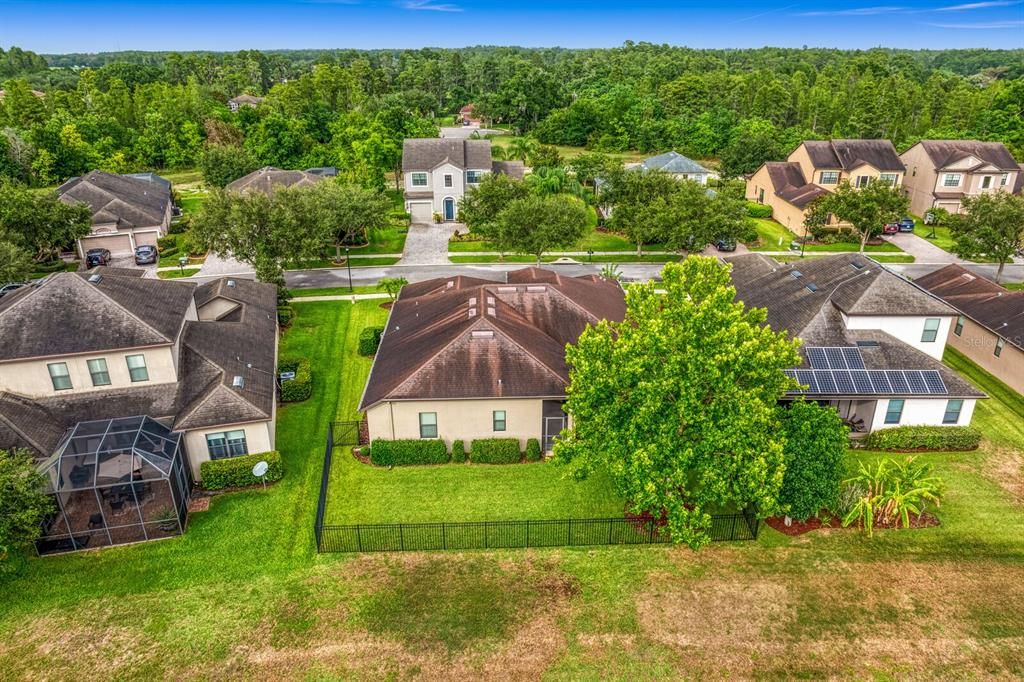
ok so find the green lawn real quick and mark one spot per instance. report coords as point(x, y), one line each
point(242, 595)
point(177, 274)
point(1014, 286)
point(770, 233)
point(942, 238)
point(623, 258)
point(334, 291)
point(568, 152)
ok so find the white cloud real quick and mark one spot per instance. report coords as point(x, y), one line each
point(429, 6)
point(982, 26)
point(978, 5)
point(858, 12)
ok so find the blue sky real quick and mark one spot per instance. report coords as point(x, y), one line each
point(102, 25)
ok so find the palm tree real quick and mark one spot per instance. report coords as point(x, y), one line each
point(521, 148)
point(499, 153)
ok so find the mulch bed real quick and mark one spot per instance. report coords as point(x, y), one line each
point(926, 520)
point(386, 306)
point(358, 454)
point(198, 504)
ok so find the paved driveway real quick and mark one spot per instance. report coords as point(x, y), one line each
point(428, 244)
point(921, 249)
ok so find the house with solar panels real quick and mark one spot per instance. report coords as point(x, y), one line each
point(872, 341)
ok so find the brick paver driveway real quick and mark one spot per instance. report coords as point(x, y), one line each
point(428, 244)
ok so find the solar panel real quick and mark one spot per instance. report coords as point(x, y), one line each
point(916, 381)
point(898, 381)
point(853, 358)
point(844, 382)
point(806, 378)
point(934, 381)
point(862, 381)
point(879, 381)
point(817, 358)
point(826, 380)
point(835, 358)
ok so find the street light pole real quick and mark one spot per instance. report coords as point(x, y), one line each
point(348, 264)
point(590, 252)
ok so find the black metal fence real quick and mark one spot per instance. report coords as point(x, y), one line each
point(396, 537)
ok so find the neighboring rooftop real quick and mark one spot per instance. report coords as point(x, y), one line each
point(990, 305)
point(125, 201)
point(463, 337)
point(944, 153)
point(848, 154)
point(420, 154)
point(789, 183)
point(673, 162)
point(269, 179)
point(151, 178)
point(514, 169)
point(246, 99)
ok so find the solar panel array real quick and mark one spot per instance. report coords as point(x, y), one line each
point(869, 382)
point(835, 357)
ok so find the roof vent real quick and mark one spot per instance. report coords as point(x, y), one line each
point(449, 285)
point(536, 290)
point(231, 283)
point(482, 334)
point(867, 344)
point(472, 312)
point(490, 300)
point(797, 274)
point(968, 276)
point(490, 311)
point(95, 278)
point(238, 382)
point(507, 290)
point(812, 287)
point(857, 265)
point(472, 300)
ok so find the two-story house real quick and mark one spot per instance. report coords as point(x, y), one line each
point(872, 341)
point(126, 211)
point(437, 173)
point(940, 173)
point(819, 166)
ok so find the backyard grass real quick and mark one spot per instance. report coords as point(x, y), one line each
point(242, 595)
point(770, 232)
point(334, 291)
point(569, 153)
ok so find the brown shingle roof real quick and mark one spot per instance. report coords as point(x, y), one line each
point(848, 154)
point(268, 179)
point(789, 183)
point(990, 305)
point(514, 169)
point(944, 152)
point(129, 202)
point(422, 154)
point(468, 338)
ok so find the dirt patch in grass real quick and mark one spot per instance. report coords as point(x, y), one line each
point(800, 527)
point(918, 620)
point(1005, 467)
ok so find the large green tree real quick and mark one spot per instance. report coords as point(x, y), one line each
point(537, 224)
point(23, 504)
point(15, 261)
point(221, 164)
point(346, 213)
point(816, 442)
point(991, 225)
point(867, 209)
point(39, 221)
point(677, 403)
point(481, 205)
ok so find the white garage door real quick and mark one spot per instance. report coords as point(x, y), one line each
point(146, 238)
point(422, 212)
point(119, 245)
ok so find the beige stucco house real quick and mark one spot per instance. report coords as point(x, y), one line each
point(990, 326)
point(466, 358)
point(437, 172)
point(109, 344)
point(817, 167)
point(940, 173)
point(127, 211)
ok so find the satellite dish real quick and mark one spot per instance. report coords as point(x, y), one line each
point(260, 469)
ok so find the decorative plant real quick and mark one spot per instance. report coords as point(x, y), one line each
point(166, 520)
point(891, 492)
point(611, 272)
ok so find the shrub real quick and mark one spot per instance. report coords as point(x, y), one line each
point(755, 210)
point(533, 453)
point(285, 314)
point(458, 451)
point(892, 491)
point(166, 243)
point(299, 388)
point(179, 226)
point(815, 450)
point(52, 266)
point(924, 438)
point(172, 251)
point(495, 451)
point(369, 340)
point(408, 451)
point(236, 472)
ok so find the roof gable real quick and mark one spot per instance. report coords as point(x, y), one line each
point(127, 201)
point(944, 153)
point(268, 179)
point(990, 305)
point(424, 154)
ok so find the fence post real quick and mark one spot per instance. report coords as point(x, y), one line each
point(650, 538)
point(732, 533)
point(444, 536)
point(527, 534)
point(568, 535)
point(486, 541)
point(401, 536)
point(359, 538)
point(610, 522)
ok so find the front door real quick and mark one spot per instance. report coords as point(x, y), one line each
point(552, 427)
point(449, 209)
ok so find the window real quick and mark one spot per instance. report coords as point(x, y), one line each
point(447, 180)
point(863, 181)
point(473, 177)
point(419, 179)
point(1004, 179)
point(952, 415)
point(889, 179)
point(951, 180)
point(428, 424)
point(137, 367)
point(986, 182)
point(829, 177)
point(499, 420)
point(894, 412)
point(226, 444)
point(959, 328)
point(931, 330)
point(999, 347)
point(760, 196)
point(59, 376)
point(99, 373)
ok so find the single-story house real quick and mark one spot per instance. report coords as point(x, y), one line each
point(679, 166)
point(267, 179)
point(236, 103)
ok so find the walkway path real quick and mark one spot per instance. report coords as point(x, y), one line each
point(921, 249)
point(428, 244)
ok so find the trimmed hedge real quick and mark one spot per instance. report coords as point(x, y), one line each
point(755, 210)
point(52, 266)
point(369, 340)
point(495, 451)
point(236, 472)
point(299, 388)
point(924, 438)
point(533, 453)
point(285, 313)
point(167, 243)
point(458, 451)
point(408, 451)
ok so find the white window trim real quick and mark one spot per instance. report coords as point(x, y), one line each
point(947, 176)
point(419, 174)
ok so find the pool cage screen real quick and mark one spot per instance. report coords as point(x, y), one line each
point(115, 481)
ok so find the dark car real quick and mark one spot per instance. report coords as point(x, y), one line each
point(94, 257)
point(145, 254)
point(891, 228)
point(906, 224)
point(725, 244)
point(9, 287)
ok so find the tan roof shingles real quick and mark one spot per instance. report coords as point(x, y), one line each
point(129, 202)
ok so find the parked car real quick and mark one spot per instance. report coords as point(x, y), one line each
point(9, 287)
point(906, 224)
point(725, 244)
point(94, 257)
point(146, 254)
point(891, 228)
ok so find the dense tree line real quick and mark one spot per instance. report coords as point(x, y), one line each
point(139, 110)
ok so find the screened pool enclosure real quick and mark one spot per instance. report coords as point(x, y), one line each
point(115, 481)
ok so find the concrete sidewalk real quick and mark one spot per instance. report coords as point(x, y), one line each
point(921, 249)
